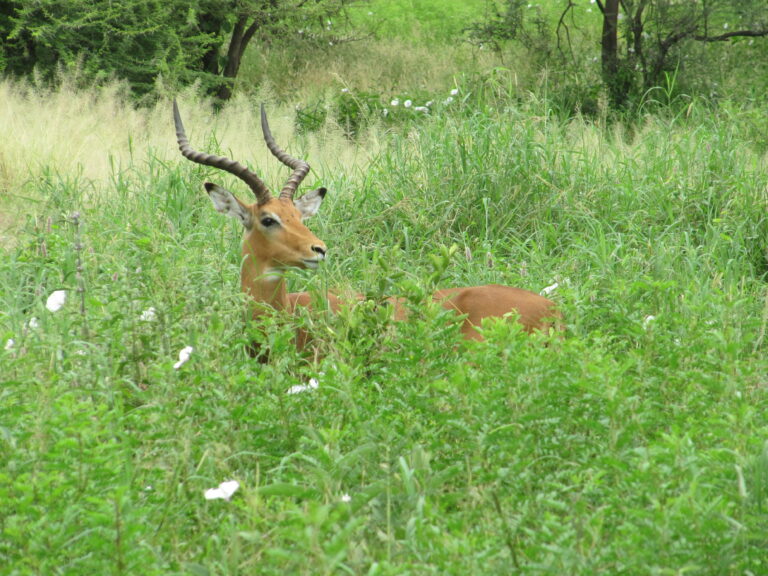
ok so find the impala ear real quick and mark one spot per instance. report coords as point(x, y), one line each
point(309, 204)
point(226, 203)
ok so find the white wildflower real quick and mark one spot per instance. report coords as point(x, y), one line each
point(33, 323)
point(725, 26)
point(395, 102)
point(344, 90)
point(149, 315)
point(346, 498)
point(184, 355)
point(385, 112)
point(56, 300)
point(448, 100)
point(455, 92)
point(9, 344)
point(428, 104)
point(549, 289)
point(647, 320)
point(407, 103)
point(421, 109)
point(223, 492)
point(299, 388)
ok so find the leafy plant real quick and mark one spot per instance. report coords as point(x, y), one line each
point(636, 443)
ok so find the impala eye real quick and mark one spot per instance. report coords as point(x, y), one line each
point(268, 221)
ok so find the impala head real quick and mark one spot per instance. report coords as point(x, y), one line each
point(275, 234)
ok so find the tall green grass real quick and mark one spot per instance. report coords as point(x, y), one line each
point(432, 20)
point(637, 444)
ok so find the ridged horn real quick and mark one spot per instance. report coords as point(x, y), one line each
point(255, 183)
point(300, 168)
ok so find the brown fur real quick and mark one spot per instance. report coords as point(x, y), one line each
point(474, 303)
point(292, 244)
point(276, 238)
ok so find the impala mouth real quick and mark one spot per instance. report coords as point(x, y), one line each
point(311, 263)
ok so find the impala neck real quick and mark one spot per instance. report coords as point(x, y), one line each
point(264, 285)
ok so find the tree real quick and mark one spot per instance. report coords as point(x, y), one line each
point(133, 39)
point(185, 41)
point(653, 32)
point(235, 23)
point(641, 41)
point(507, 21)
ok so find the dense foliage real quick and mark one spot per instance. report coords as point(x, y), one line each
point(635, 445)
point(142, 40)
point(643, 45)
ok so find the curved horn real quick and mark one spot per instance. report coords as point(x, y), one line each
point(300, 168)
point(260, 189)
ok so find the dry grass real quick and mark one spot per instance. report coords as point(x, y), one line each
point(94, 133)
point(385, 66)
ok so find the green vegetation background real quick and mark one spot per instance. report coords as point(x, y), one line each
point(636, 445)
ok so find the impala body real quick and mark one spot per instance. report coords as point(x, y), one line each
point(276, 239)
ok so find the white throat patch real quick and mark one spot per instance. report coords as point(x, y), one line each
point(272, 274)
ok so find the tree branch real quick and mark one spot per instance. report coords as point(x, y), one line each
point(626, 8)
point(728, 35)
point(601, 7)
point(673, 39)
point(561, 24)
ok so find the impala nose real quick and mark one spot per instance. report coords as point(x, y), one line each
point(319, 250)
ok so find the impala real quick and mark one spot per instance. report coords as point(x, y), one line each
point(276, 238)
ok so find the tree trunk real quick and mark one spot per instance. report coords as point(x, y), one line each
point(618, 91)
point(241, 36)
point(609, 42)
